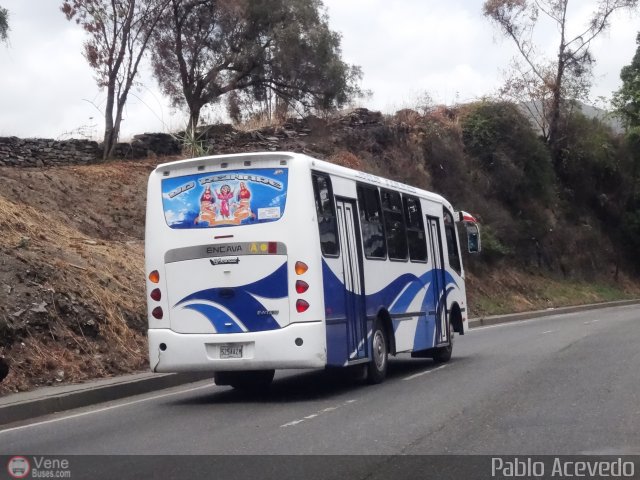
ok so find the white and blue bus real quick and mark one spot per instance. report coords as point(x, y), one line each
point(266, 261)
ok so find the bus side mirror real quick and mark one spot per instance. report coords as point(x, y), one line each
point(473, 237)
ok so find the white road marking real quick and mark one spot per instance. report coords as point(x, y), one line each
point(591, 321)
point(291, 424)
point(556, 314)
point(99, 410)
point(317, 414)
point(549, 331)
point(416, 375)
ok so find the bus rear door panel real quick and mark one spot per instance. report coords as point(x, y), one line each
point(343, 281)
point(353, 278)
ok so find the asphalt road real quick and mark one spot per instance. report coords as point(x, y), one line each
point(566, 384)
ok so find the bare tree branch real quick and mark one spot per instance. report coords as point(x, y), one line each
point(118, 35)
point(567, 76)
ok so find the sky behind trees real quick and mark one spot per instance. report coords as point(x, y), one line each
point(405, 48)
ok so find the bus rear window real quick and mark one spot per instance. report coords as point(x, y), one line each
point(222, 199)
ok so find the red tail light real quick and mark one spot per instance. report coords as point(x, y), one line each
point(156, 294)
point(301, 286)
point(301, 306)
point(157, 313)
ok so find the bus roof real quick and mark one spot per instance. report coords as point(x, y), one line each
point(313, 163)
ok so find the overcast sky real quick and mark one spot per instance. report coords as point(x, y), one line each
point(445, 48)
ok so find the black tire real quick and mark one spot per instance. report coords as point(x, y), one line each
point(249, 380)
point(377, 368)
point(443, 354)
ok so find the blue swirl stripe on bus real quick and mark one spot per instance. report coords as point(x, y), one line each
point(401, 291)
point(401, 305)
point(242, 304)
point(410, 283)
point(334, 289)
point(425, 329)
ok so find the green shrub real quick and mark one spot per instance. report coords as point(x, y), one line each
point(492, 247)
point(503, 142)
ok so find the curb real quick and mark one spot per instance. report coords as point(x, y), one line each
point(87, 394)
point(515, 317)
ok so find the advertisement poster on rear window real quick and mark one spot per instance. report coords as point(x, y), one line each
point(235, 197)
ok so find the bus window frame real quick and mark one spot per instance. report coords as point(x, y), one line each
point(417, 229)
point(361, 208)
point(452, 226)
point(404, 225)
point(316, 197)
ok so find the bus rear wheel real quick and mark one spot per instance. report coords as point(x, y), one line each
point(249, 380)
point(377, 368)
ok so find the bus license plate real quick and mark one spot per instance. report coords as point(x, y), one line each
point(230, 351)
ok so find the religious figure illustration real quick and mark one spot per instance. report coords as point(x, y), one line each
point(207, 208)
point(224, 195)
point(244, 203)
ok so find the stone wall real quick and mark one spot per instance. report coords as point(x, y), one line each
point(38, 152)
point(310, 135)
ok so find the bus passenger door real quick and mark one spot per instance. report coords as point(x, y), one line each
point(439, 284)
point(351, 255)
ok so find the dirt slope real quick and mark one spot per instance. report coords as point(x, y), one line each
point(71, 276)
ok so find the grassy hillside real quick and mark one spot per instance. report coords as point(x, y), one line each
point(72, 277)
point(72, 301)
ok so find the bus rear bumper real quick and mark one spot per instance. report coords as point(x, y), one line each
point(189, 352)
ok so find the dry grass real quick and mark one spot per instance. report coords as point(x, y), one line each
point(408, 117)
point(107, 278)
point(346, 159)
point(507, 290)
point(257, 122)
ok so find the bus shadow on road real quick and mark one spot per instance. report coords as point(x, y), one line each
point(316, 384)
point(297, 387)
point(404, 366)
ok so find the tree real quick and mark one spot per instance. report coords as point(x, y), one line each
point(203, 50)
point(4, 24)
point(119, 33)
point(626, 100)
point(550, 82)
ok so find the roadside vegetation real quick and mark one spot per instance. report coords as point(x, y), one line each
point(72, 299)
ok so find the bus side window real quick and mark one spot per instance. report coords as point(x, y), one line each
point(452, 245)
point(326, 214)
point(415, 229)
point(371, 222)
point(394, 225)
